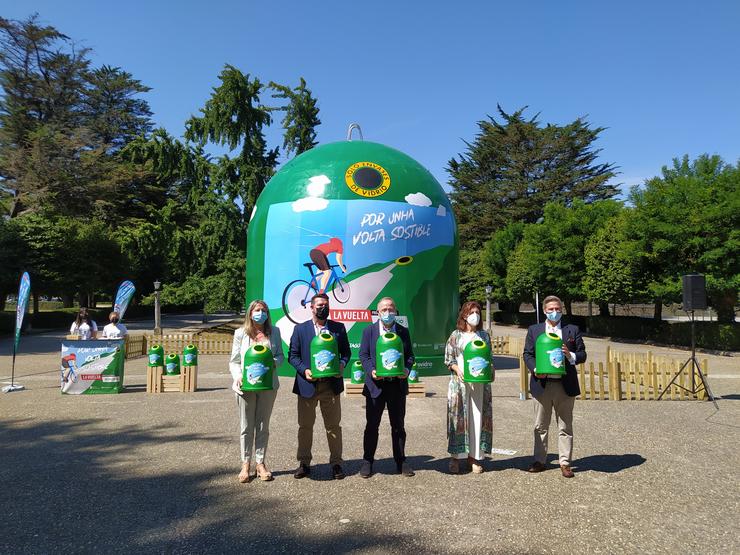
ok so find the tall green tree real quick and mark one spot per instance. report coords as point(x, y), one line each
point(515, 166)
point(550, 258)
point(688, 221)
point(301, 117)
point(495, 259)
point(234, 117)
point(612, 264)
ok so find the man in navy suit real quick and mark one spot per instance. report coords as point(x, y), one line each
point(382, 392)
point(554, 391)
point(322, 391)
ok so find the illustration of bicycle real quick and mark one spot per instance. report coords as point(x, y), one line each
point(297, 294)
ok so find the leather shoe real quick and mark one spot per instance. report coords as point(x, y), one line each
point(302, 471)
point(366, 470)
point(536, 467)
point(337, 472)
point(406, 470)
point(566, 470)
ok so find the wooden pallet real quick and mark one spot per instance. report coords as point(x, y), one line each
point(159, 382)
point(416, 390)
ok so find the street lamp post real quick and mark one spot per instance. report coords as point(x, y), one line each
point(488, 308)
point(157, 312)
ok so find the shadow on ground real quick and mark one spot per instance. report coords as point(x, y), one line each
point(595, 463)
point(72, 486)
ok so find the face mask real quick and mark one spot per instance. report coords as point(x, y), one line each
point(259, 316)
point(554, 316)
point(114, 320)
point(473, 319)
point(322, 312)
point(387, 317)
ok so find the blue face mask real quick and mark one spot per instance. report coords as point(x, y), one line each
point(387, 317)
point(259, 316)
point(554, 316)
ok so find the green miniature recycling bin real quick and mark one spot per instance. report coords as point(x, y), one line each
point(156, 356)
point(549, 354)
point(172, 364)
point(258, 368)
point(477, 362)
point(190, 356)
point(389, 356)
point(358, 373)
point(324, 356)
point(414, 374)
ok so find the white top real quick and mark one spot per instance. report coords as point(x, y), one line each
point(115, 331)
point(241, 344)
point(84, 331)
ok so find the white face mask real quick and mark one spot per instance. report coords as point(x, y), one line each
point(473, 319)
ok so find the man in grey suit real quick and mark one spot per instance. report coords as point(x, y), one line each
point(554, 391)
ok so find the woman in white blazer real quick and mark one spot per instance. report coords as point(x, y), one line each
point(255, 407)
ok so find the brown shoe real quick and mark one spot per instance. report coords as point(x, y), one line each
point(244, 475)
point(536, 467)
point(264, 474)
point(566, 470)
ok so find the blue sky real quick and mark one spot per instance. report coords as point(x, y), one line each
point(661, 76)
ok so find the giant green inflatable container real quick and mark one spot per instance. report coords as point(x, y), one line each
point(156, 356)
point(548, 354)
point(324, 356)
point(389, 220)
point(258, 368)
point(172, 364)
point(477, 362)
point(389, 356)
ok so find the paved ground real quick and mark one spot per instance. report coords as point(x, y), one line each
point(157, 473)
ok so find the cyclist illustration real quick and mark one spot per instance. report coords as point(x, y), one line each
point(297, 294)
point(69, 371)
point(320, 256)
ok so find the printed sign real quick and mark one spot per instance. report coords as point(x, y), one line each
point(92, 366)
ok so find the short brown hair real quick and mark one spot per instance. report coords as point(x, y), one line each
point(466, 309)
point(552, 299)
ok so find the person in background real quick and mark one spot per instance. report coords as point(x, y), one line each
point(114, 330)
point(255, 407)
point(84, 326)
point(469, 405)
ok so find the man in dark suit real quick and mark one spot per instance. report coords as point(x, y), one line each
point(382, 392)
point(322, 391)
point(554, 391)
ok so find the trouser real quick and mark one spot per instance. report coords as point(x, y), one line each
point(331, 411)
point(475, 393)
point(255, 408)
point(554, 397)
point(392, 397)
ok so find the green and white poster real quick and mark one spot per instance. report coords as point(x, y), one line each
point(358, 221)
point(92, 366)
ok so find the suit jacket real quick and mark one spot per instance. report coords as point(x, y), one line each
point(572, 338)
point(299, 356)
point(370, 335)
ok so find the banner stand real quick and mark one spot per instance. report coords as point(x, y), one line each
point(24, 290)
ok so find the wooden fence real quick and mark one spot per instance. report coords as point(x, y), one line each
point(629, 376)
point(207, 343)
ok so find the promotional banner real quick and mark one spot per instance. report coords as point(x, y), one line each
point(24, 291)
point(92, 366)
point(358, 221)
point(124, 295)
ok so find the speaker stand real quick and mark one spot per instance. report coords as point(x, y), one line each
point(695, 369)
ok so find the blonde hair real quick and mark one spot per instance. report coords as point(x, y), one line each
point(250, 328)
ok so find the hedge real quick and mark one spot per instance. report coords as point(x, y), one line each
point(709, 335)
